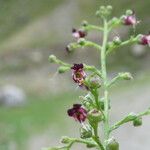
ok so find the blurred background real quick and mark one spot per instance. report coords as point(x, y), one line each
point(34, 97)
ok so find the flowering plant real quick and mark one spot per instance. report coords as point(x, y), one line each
point(95, 109)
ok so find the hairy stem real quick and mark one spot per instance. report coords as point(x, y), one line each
point(96, 137)
point(104, 76)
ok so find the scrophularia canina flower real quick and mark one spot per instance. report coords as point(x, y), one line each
point(130, 19)
point(145, 39)
point(78, 113)
point(78, 74)
point(78, 33)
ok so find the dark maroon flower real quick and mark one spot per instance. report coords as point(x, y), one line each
point(78, 113)
point(77, 67)
point(78, 74)
point(145, 39)
point(130, 19)
point(78, 33)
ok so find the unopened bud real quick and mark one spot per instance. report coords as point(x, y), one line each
point(70, 48)
point(102, 8)
point(63, 69)
point(65, 140)
point(114, 21)
point(109, 45)
point(95, 116)
point(112, 145)
point(52, 58)
point(129, 12)
point(137, 122)
point(85, 133)
point(84, 23)
point(90, 145)
point(94, 83)
point(109, 8)
point(117, 40)
point(97, 13)
point(126, 76)
point(81, 41)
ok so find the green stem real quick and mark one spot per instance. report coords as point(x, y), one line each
point(93, 27)
point(92, 44)
point(104, 76)
point(127, 119)
point(130, 41)
point(96, 97)
point(96, 137)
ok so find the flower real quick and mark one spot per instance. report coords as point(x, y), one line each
point(145, 39)
point(78, 113)
point(130, 19)
point(78, 33)
point(78, 74)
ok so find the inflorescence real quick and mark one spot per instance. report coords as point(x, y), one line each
point(94, 109)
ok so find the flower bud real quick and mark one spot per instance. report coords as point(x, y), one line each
point(125, 76)
point(52, 58)
point(104, 11)
point(94, 83)
point(129, 18)
point(129, 12)
point(112, 145)
point(97, 13)
point(117, 40)
point(81, 41)
point(95, 116)
point(102, 8)
point(79, 33)
point(70, 48)
point(90, 145)
point(86, 104)
point(144, 39)
point(65, 140)
point(114, 21)
point(63, 69)
point(84, 23)
point(109, 8)
point(85, 133)
point(137, 122)
point(109, 45)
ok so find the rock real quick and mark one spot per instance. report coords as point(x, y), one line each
point(12, 96)
point(138, 50)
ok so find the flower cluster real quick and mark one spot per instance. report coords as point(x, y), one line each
point(95, 107)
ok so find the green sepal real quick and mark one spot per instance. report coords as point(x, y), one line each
point(65, 140)
point(137, 122)
point(63, 69)
point(95, 116)
point(85, 132)
point(112, 145)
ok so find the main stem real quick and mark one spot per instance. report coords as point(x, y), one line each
point(104, 76)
